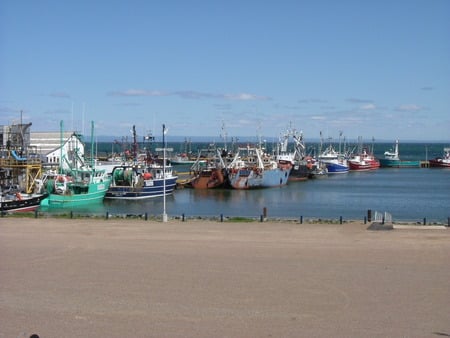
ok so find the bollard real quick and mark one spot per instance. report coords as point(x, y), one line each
point(146, 216)
point(221, 217)
point(71, 214)
point(182, 217)
point(107, 214)
point(265, 212)
point(365, 220)
point(369, 215)
point(424, 221)
point(35, 213)
point(261, 218)
point(340, 220)
point(301, 219)
point(448, 222)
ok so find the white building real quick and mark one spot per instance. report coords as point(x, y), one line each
point(71, 154)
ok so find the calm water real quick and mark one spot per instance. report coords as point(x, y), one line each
point(409, 194)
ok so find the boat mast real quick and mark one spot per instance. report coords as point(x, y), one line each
point(60, 146)
point(135, 145)
point(224, 136)
point(92, 144)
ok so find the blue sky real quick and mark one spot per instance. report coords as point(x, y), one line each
point(367, 68)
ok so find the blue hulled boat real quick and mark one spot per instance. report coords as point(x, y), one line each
point(251, 169)
point(141, 181)
point(335, 162)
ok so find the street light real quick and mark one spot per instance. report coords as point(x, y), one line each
point(164, 174)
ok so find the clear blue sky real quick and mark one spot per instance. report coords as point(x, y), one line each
point(376, 68)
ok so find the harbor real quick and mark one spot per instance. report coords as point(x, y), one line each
point(410, 191)
point(225, 169)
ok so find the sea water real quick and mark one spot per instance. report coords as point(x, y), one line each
point(408, 194)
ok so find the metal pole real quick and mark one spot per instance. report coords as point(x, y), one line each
point(164, 174)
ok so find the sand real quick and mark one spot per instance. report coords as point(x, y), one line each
point(136, 278)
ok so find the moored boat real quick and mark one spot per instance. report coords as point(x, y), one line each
point(76, 188)
point(302, 166)
point(209, 178)
point(252, 169)
point(148, 176)
point(182, 159)
point(363, 162)
point(141, 181)
point(78, 185)
point(16, 201)
point(392, 160)
point(441, 161)
point(335, 162)
point(209, 170)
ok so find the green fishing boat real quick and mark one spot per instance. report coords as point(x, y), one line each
point(79, 185)
point(392, 160)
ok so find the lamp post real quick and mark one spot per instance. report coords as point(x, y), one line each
point(164, 174)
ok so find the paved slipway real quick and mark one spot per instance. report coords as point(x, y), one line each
point(135, 278)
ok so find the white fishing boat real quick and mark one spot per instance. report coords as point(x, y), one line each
point(392, 159)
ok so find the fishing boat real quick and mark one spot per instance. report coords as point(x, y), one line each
point(251, 169)
point(392, 160)
point(441, 161)
point(13, 200)
point(141, 181)
point(335, 162)
point(181, 159)
point(303, 166)
point(146, 177)
point(184, 157)
point(363, 160)
point(78, 185)
point(209, 170)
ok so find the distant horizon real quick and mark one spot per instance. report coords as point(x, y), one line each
point(240, 139)
point(252, 139)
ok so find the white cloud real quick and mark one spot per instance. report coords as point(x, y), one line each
point(245, 97)
point(369, 106)
point(138, 92)
point(318, 117)
point(190, 94)
point(408, 108)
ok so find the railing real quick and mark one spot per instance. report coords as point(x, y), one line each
point(382, 218)
point(379, 217)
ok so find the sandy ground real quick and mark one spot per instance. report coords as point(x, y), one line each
point(136, 278)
